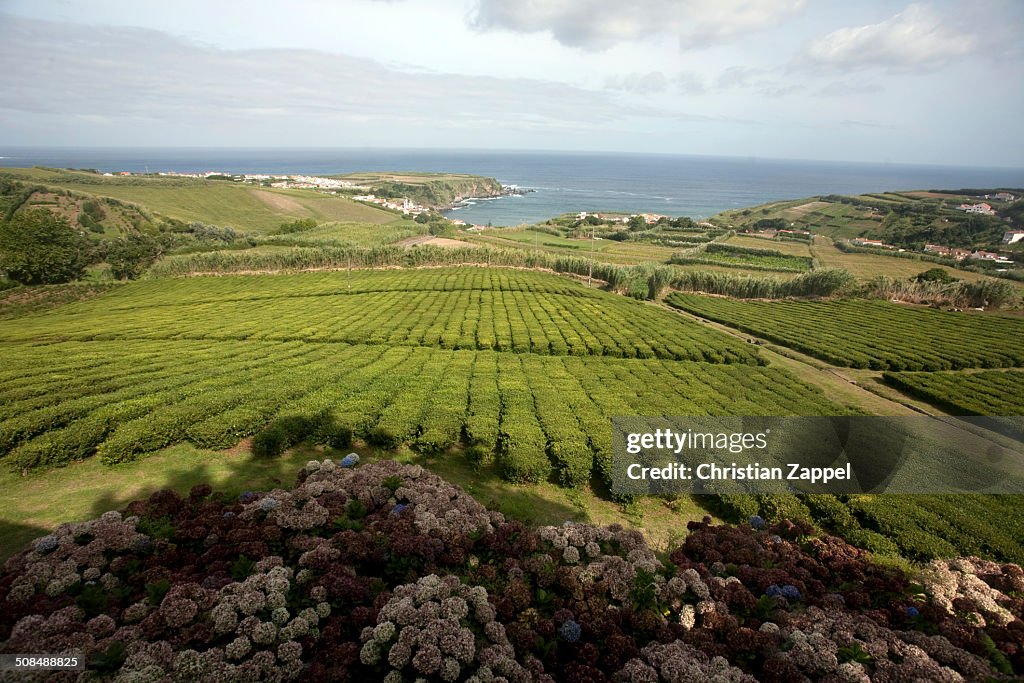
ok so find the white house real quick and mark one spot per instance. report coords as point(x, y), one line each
point(981, 208)
point(1013, 236)
point(862, 242)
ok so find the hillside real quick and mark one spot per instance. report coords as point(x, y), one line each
point(223, 203)
point(434, 190)
point(905, 219)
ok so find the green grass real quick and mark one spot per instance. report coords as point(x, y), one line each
point(39, 501)
point(866, 266)
point(245, 207)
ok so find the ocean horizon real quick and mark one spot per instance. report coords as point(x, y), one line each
point(676, 185)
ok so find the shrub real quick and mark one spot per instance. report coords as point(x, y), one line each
point(40, 247)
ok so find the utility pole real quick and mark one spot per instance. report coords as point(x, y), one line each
point(348, 256)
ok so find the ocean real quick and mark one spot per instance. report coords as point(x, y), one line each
point(675, 185)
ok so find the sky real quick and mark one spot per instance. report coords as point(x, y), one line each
point(874, 81)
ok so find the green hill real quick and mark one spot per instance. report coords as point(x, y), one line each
point(243, 207)
point(437, 190)
point(907, 219)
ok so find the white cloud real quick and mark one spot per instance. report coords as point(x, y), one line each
point(689, 83)
point(145, 79)
point(638, 83)
point(916, 38)
point(737, 76)
point(599, 24)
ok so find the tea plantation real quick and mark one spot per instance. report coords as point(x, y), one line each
point(871, 334)
point(522, 367)
point(521, 370)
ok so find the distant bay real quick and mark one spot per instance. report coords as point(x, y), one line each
point(677, 185)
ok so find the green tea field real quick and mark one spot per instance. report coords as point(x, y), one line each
point(871, 334)
point(427, 358)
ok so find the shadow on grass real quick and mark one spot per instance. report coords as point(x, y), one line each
point(238, 472)
point(89, 492)
point(536, 504)
point(18, 536)
point(229, 475)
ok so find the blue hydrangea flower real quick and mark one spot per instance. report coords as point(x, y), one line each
point(229, 514)
point(246, 497)
point(757, 521)
point(776, 538)
point(349, 461)
point(913, 612)
point(47, 544)
point(790, 592)
point(570, 631)
point(268, 504)
point(397, 510)
point(773, 591)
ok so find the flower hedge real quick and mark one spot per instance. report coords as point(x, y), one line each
point(387, 572)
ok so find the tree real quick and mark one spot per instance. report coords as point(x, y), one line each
point(935, 275)
point(130, 256)
point(637, 222)
point(39, 247)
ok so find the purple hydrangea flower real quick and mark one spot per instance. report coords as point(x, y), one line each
point(246, 497)
point(398, 509)
point(790, 592)
point(757, 521)
point(570, 631)
point(47, 544)
point(773, 591)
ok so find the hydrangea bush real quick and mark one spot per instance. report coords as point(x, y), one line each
point(384, 571)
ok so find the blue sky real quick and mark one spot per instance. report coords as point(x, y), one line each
point(876, 81)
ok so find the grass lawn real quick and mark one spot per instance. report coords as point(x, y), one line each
point(38, 502)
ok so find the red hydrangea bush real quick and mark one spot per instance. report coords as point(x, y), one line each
point(387, 572)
